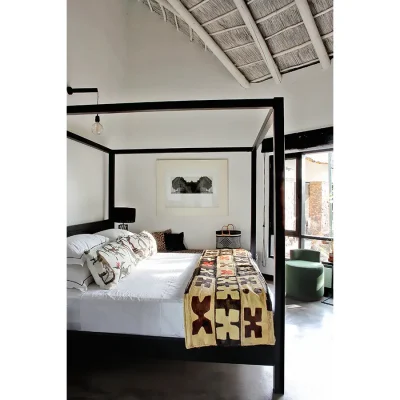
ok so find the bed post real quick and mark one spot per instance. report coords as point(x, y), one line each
point(253, 217)
point(279, 253)
point(111, 185)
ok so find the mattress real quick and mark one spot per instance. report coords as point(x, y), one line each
point(149, 301)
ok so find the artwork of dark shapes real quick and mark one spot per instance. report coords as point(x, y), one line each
point(202, 185)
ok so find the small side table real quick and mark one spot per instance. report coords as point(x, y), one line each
point(326, 301)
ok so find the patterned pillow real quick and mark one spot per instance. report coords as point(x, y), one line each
point(152, 242)
point(143, 244)
point(160, 239)
point(111, 262)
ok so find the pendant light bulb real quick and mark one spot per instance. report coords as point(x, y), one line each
point(97, 128)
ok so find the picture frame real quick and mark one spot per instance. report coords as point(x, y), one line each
point(192, 187)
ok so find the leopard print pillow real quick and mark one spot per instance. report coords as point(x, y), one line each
point(160, 239)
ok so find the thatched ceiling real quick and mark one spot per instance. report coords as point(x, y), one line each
point(288, 39)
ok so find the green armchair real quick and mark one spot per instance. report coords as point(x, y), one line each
point(304, 275)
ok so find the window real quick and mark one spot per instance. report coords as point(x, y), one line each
point(290, 195)
point(308, 202)
point(291, 243)
point(323, 246)
point(318, 211)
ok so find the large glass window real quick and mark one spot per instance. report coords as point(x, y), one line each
point(290, 195)
point(291, 243)
point(317, 178)
point(308, 203)
point(323, 246)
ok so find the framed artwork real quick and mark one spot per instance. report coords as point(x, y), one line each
point(192, 187)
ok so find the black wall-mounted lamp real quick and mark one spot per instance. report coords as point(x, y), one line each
point(97, 128)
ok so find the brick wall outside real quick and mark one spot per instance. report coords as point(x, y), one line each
point(315, 190)
point(318, 209)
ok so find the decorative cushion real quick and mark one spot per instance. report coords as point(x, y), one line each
point(114, 234)
point(152, 242)
point(78, 277)
point(160, 239)
point(111, 262)
point(77, 245)
point(174, 241)
point(143, 244)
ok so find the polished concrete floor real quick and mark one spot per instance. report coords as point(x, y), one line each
point(308, 370)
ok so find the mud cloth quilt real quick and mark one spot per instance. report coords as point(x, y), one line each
point(227, 303)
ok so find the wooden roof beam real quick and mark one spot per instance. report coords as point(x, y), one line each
point(312, 30)
point(198, 5)
point(163, 13)
point(150, 6)
point(258, 39)
point(181, 11)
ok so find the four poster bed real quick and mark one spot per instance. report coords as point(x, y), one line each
point(169, 343)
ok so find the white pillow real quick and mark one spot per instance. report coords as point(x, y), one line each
point(78, 277)
point(111, 262)
point(77, 245)
point(114, 234)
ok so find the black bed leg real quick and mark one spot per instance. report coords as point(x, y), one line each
point(279, 379)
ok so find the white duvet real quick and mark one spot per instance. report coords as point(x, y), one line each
point(149, 301)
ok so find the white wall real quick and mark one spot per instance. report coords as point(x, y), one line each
point(87, 182)
point(136, 187)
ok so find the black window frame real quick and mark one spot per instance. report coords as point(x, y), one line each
point(298, 232)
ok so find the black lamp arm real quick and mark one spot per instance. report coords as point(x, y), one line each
point(70, 90)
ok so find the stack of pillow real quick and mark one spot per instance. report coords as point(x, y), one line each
point(105, 257)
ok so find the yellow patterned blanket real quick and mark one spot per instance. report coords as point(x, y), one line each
point(227, 302)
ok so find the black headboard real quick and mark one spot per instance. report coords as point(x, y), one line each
point(89, 227)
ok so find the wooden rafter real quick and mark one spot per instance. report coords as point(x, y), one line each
point(150, 6)
point(240, 46)
point(227, 14)
point(261, 78)
point(251, 63)
point(182, 12)
point(176, 22)
point(274, 13)
point(232, 28)
point(258, 39)
point(163, 13)
point(312, 30)
point(165, 4)
point(198, 5)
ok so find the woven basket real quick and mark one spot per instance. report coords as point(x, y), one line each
point(228, 238)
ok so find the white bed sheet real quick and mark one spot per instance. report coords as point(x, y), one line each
point(149, 301)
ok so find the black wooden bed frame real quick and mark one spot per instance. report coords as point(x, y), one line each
point(174, 348)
